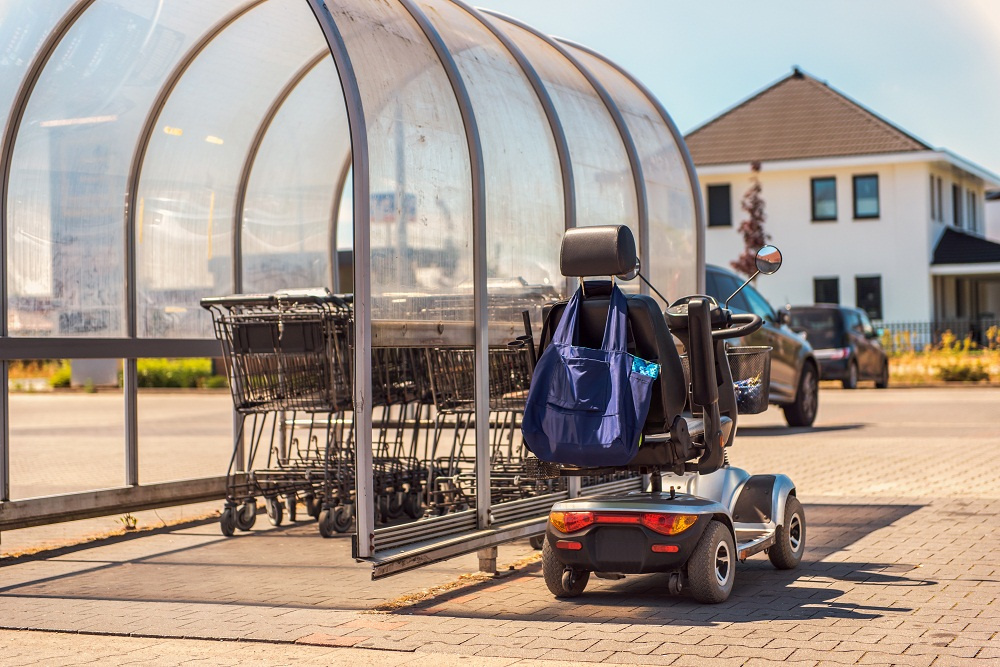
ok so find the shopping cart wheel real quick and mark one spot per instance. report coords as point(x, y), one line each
point(246, 515)
point(227, 521)
point(395, 507)
point(291, 505)
point(412, 506)
point(326, 523)
point(274, 510)
point(343, 518)
point(537, 542)
point(312, 507)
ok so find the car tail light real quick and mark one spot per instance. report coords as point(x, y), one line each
point(570, 522)
point(667, 524)
point(840, 353)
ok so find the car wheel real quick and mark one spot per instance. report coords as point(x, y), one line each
point(790, 537)
point(851, 381)
point(802, 411)
point(883, 379)
point(561, 582)
point(711, 569)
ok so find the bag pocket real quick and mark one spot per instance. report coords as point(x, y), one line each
point(581, 384)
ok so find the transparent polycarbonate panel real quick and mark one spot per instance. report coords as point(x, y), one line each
point(605, 189)
point(419, 170)
point(186, 432)
point(672, 254)
point(192, 168)
point(71, 162)
point(525, 216)
point(24, 26)
point(288, 221)
point(69, 439)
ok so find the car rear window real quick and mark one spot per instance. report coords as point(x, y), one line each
point(824, 326)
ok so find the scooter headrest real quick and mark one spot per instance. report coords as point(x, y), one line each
point(608, 250)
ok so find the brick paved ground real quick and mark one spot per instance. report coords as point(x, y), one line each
point(902, 494)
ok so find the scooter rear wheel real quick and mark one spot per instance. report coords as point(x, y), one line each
point(711, 569)
point(561, 583)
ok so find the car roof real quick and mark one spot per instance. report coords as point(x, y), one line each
point(823, 306)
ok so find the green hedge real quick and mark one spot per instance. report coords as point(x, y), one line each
point(182, 373)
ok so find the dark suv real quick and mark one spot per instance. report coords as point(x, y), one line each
point(845, 343)
point(794, 371)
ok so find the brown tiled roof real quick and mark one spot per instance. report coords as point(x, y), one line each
point(798, 117)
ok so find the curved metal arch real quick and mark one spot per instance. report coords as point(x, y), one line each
point(258, 138)
point(480, 296)
point(17, 108)
point(142, 145)
point(638, 179)
point(699, 207)
point(9, 137)
point(338, 197)
point(542, 93)
point(365, 514)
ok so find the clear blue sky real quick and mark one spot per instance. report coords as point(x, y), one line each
point(931, 67)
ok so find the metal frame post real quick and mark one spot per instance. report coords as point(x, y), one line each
point(364, 508)
point(481, 298)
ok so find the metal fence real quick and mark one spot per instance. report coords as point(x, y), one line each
point(918, 336)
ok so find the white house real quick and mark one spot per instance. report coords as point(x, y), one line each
point(865, 213)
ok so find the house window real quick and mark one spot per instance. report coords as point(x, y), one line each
point(940, 202)
point(826, 290)
point(720, 210)
point(956, 205)
point(824, 199)
point(869, 295)
point(972, 210)
point(866, 196)
point(934, 201)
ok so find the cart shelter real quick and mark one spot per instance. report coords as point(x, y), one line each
point(424, 155)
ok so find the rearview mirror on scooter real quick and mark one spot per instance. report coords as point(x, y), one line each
point(768, 261)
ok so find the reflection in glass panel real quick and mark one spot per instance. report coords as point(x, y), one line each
point(672, 255)
point(192, 168)
point(605, 189)
point(71, 438)
point(72, 157)
point(188, 432)
point(23, 28)
point(287, 222)
point(419, 171)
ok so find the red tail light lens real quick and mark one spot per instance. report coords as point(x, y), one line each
point(570, 522)
point(667, 524)
point(569, 545)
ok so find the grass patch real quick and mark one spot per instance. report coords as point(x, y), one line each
point(952, 360)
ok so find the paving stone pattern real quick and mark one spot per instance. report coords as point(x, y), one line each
point(902, 496)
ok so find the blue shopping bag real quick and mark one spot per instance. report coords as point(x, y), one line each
point(586, 407)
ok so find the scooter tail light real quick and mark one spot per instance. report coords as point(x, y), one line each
point(668, 524)
point(570, 522)
point(569, 545)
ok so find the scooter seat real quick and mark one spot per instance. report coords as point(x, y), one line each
point(658, 450)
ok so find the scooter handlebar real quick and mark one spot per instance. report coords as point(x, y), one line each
point(742, 324)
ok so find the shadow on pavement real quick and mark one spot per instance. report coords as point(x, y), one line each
point(761, 592)
point(770, 431)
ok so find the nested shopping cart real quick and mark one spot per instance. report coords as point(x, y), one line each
point(288, 359)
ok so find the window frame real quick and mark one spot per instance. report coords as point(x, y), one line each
point(812, 198)
point(854, 197)
point(857, 295)
point(826, 279)
point(956, 205)
point(728, 207)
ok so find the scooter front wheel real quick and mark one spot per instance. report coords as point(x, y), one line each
point(790, 537)
point(562, 582)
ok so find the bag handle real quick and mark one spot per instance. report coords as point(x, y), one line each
point(566, 329)
point(616, 327)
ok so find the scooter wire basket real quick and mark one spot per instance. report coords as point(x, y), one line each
point(751, 368)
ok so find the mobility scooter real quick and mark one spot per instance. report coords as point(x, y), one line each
point(699, 515)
